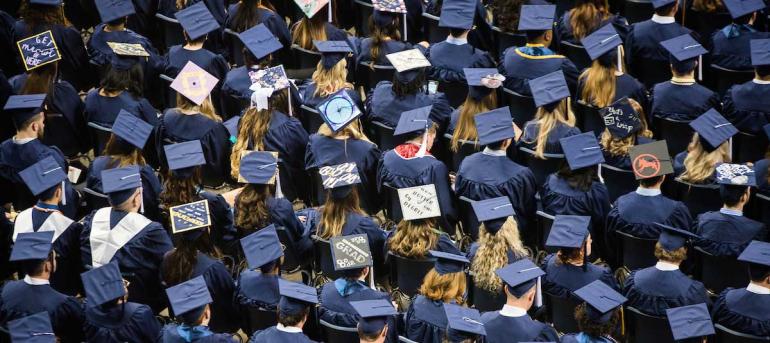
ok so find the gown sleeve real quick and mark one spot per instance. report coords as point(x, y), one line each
point(218, 153)
point(143, 325)
point(521, 191)
point(224, 234)
point(74, 51)
point(283, 215)
point(439, 176)
point(441, 112)
point(219, 278)
point(68, 320)
point(370, 163)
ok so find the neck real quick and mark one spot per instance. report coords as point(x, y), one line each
point(520, 303)
point(26, 134)
point(761, 78)
point(761, 284)
point(193, 46)
point(53, 202)
point(688, 76)
point(671, 262)
point(464, 35)
point(41, 276)
point(655, 186)
point(113, 28)
point(738, 207)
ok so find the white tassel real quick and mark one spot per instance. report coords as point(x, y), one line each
point(63, 194)
point(620, 60)
point(700, 67)
point(290, 111)
point(406, 36)
point(423, 145)
point(141, 202)
point(330, 10)
point(278, 191)
point(538, 294)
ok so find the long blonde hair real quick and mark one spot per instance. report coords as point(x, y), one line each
point(444, 288)
point(699, 164)
point(587, 16)
point(309, 29)
point(206, 108)
point(621, 146)
point(253, 128)
point(465, 129)
point(334, 214)
point(328, 82)
point(547, 121)
point(352, 131)
point(413, 238)
point(492, 254)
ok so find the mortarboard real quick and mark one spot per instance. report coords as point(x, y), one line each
point(38, 50)
point(110, 10)
point(482, 81)
point(756, 252)
point(494, 126)
point(690, 321)
point(189, 219)
point(735, 174)
point(463, 323)
point(683, 47)
point(262, 247)
point(660, 3)
point(194, 83)
point(760, 52)
point(408, 63)
point(457, 14)
point(184, 155)
point(493, 212)
point(601, 300)
point(621, 119)
point(295, 297)
point(332, 52)
point(537, 17)
point(310, 7)
point(520, 276)
point(582, 150)
point(128, 49)
point(650, 160)
point(197, 20)
point(120, 183)
point(601, 41)
point(568, 231)
point(549, 89)
point(260, 41)
point(35, 328)
point(259, 167)
point(385, 11)
point(188, 299)
point(713, 129)
point(340, 178)
point(24, 107)
point(416, 120)
point(672, 238)
point(350, 252)
point(273, 77)
point(43, 175)
point(46, 2)
point(339, 110)
point(131, 129)
point(740, 8)
point(32, 246)
point(447, 262)
point(103, 284)
point(123, 62)
point(419, 202)
point(374, 314)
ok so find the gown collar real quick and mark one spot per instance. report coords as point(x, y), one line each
point(288, 329)
point(456, 41)
point(35, 282)
point(21, 141)
point(731, 212)
point(666, 267)
point(757, 289)
point(490, 152)
point(761, 82)
point(513, 311)
point(648, 192)
point(662, 19)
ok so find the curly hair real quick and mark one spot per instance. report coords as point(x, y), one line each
point(673, 256)
point(593, 328)
point(328, 82)
point(413, 238)
point(42, 15)
point(444, 288)
point(587, 16)
point(492, 254)
point(251, 211)
point(506, 14)
point(699, 164)
point(178, 191)
point(708, 6)
point(466, 126)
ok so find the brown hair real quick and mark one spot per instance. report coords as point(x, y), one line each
point(309, 29)
point(707, 6)
point(593, 328)
point(247, 16)
point(598, 84)
point(466, 126)
point(382, 34)
point(251, 211)
point(37, 15)
point(492, 254)
point(206, 108)
point(674, 256)
point(40, 80)
point(547, 121)
point(507, 14)
point(335, 212)
point(292, 319)
point(413, 238)
point(699, 164)
point(352, 131)
point(122, 153)
point(178, 264)
point(180, 190)
point(328, 82)
point(621, 146)
point(587, 16)
point(252, 129)
point(444, 288)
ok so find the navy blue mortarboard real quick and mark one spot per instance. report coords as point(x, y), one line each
point(537, 17)
point(383, 18)
point(621, 119)
point(188, 299)
point(260, 41)
point(690, 321)
point(46, 2)
point(457, 14)
point(32, 246)
point(448, 262)
point(262, 247)
point(494, 126)
point(123, 62)
point(408, 63)
point(38, 50)
point(259, 167)
point(232, 127)
point(103, 284)
point(482, 81)
point(582, 150)
point(601, 300)
point(660, 3)
point(683, 48)
point(740, 8)
point(34, 328)
point(520, 276)
point(184, 155)
point(549, 89)
point(338, 110)
point(295, 297)
point(463, 323)
point(340, 178)
point(493, 212)
point(760, 52)
point(110, 10)
point(735, 174)
point(672, 238)
point(416, 120)
point(601, 41)
point(24, 107)
point(332, 52)
point(197, 20)
point(120, 183)
point(568, 231)
point(713, 129)
point(131, 129)
point(43, 175)
point(374, 314)
point(756, 252)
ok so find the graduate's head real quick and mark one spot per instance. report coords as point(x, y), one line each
point(295, 303)
point(413, 238)
point(251, 210)
point(122, 153)
point(684, 68)
point(206, 108)
point(196, 41)
point(446, 281)
point(330, 80)
point(189, 301)
point(37, 14)
point(41, 79)
point(544, 37)
point(123, 187)
point(118, 22)
point(593, 327)
point(375, 315)
point(403, 86)
point(652, 182)
point(702, 159)
point(458, 33)
point(757, 256)
point(123, 74)
point(33, 253)
point(496, 239)
point(252, 61)
point(416, 136)
point(340, 202)
point(51, 195)
point(734, 196)
point(762, 72)
point(759, 273)
point(465, 128)
point(573, 256)
point(668, 10)
point(520, 280)
point(581, 178)
point(675, 256)
point(355, 273)
point(39, 268)
point(583, 18)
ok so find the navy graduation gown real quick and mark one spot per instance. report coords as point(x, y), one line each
point(20, 299)
point(734, 52)
point(255, 290)
point(623, 161)
point(636, 214)
point(355, 224)
point(121, 323)
point(103, 110)
point(7, 128)
point(501, 328)
point(383, 106)
point(272, 21)
point(101, 53)
point(73, 66)
point(426, 320)
point(222, 288)
point(282, 215)
point(747, 106)
point(171, 334)
point(216, 65)
point(563, 31)
point(561, 280)
point(151, 186)
point(625, 86)
point(521, 64)
point(581, 337)
point(681, 101)
point(335, 308)
point(552, 146)
point(223, 233)
point(652, 291)
point(723, 234)
point(273, 334)
point(448, 60)
point(387, 47)
point(760, 170)
point(9, 63)
point(743, 311)
point(236, 84)
point(643, 41)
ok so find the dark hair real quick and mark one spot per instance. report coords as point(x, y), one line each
point(684, 67)
point(593, 328)
point(293, 319)
point(652, 181)
point(744, 19)
point(352, 274)
point(758, 272)
point(29, 121)
point(731, 194)
point(507, 13)
point(198, 40)
point(410, 88)
point(533, 35)
point(34, 267)
point(117, 22)
point(379, 35)
point(178, 265)
point(270, 266)
point(369, 336)
point(580, 179)
point(455, 32)
point(496, 145)
point(131, 80)
point(252, 212)
point(247, 15)
point(663, 10)
point(49, 193)
point(762, 71)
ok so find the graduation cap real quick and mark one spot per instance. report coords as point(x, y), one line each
point(463, 323)
point(340, 178)
point(385, 11)
point(740, 8)
point(262, 247)
point(482, 81)
point(756, 252)
point(549, 89)
point(43, 175)
point(128, 49)
point(457, 14)
point(32, 246)
point(24, 107)
point(46, 2)
point(184, 155)
point(650, 160)
point(332, 52)
point(194, 83)
point(38, 50)
point(259, 167)
point(493, 212)
point(760, 52)
point(260, 41)
point(621, 119)
point(274, 78)
point(582, 150)
point(601, 41)
point(123, 62)
point(683, 49)
point(568, 231)
point(447, 262)
point(660, 3)
point(416, 120)
point(188, 218)
point(735, 174)
point(374, 314)
point(188, 299)
point(339, 110)
point(520, 276)
point(131, 129)
point(690, 321)
point(537, 17)
point(672, 238)
point(601, 300)
point(350, 252)
point(310, 7)
point(110, 10)
point(713, 129)
point(34, 328)
point(408, 64)
point(103, 284)
point(295, 297)
point(494, 126)
point(197, 20)
point(120, 183)
point(419, 202)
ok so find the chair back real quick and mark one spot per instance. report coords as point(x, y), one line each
point(484, 300)
point(372, 74)
point(646, 328)
point(383, 136)
point(563, 6)
point(172, 30)
point(638, 252)
point(291, 260)
point(455, 92)
point(542, 168)
point(408, 273)
point(59, 133)
point(506, 40)
point(677, 133)
point(234, 47)
point(318, 191)
point(720, 272)
point(95, 200)
point(698, 198)
point(465, 149)
point(762, 204)
point(562, 313)
point(588, 117)
point(470, 223)
point(392, 205)
point(334, 333)
point(649, 72)
point(544, 223)
point(310, 118)
point(748, 147)
point(618, 181)
point(260, 318)
point(5, 335)
point(523, 107)
point(99, 136)
point(726, 78)
point(364, 11)
point(304, 58)
point(323, 261)
point(638, 10)
point(575, 53)
point(433, 33)
point(725, 335)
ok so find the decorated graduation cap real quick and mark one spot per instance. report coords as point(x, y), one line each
point(494, 126)
point(34, 328)
point(601, 41)
point(419, 202)
point(568, 231)
point(549, 89)
point(260, 41)
point(756, 252)
point(274, 78)
point(46, 2)
point(672, 238)
point(131, 129)
point(463, 323)
point(110, 10)
point(374, 314)
point(493, 212)
point(262, 247)
point(339, 110)
point(713, 129)
point(740, 8)
point(32, 246)
point(601, 300)
point(684, 49)
point(447, 262)
point(537, 17)
point(43, 176)
point(621, 119)
point(660, 3)
point(735, 175)
point(760, 52)
point(386, 11)
point(38, 50)
point(350, 252)
point(128, 49)
point(24, 107)
point(582, 150)
point(120, 183)
point(690, 321)
point(182, 157)
point(332, 52)
point(259, 167)
point(340, 178)
point(482, 81)
point(295, 297)
point(457, 14)
point(190, 220)
point(197, 20)
point(650, 160)
point(310, 7)
point(520, 276)
point(408, 63)
point(194, 83)
point(103, 284)
point(188, 299)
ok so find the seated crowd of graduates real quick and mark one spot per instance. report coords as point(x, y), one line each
point(292, 193)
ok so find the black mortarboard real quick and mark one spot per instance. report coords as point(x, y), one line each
point(621, 119)
point(262, 247)
point(24, 107)
point(120, 183)
point(537, 17)
point(340, 179)
point(35, 328)
point(188, 299)
point(260, 41)
point(740, 8)
point(760, 52)
point(601, 41)
point(103, 284)
point(463, 323)
point(549, 89)
point(374, 314)
point(295, 297)
point(131, 129)
point(32, 246)
point(482, 81)
point(568, 231)
point(43, 175)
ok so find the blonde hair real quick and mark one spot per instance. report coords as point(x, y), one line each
point(598, 85)
point(353, 131)
point(309, 29)
point(621, 146)
point(466, 126)
point(547, 121)
point(587, 16)
point(492, 254)
point(444, 288)
point(699, 164)
point(334, 214)
point(413, 238)
point(328, 82)
point(253, 128)
point(206, 108)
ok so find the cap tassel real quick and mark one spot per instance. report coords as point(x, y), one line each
point(620, 60)
point(371, 278)
point(141, 202)
point(538, 294)
point(291, 114)
point(63, 194)
point(331, 20)
point(700, 67)
point(406, 36)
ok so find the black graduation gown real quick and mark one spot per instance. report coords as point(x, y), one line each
point(104, 110)
point(223, 233)
point(563, 31)
point(383, 106)
point(272, 334)
point(643, 41)
point(521, 64)
point(682, 102)
point(73, 66)
point(625, 86)
point(448, 60)
point(552, 146)
point(335, 308)
point(7, 128)
point(6, 233)
point(747, 106)
point(426, 320)
point(216, 65)
point(501, 328)
point(760, 171)
point(561, 280)
point(121, 323)
point(170, 334)
point(652, 291)
point(255, 290)
point(636, 214)
point(734, 52)
point(151, 186)
point(743, 311)
point(723, 234)
point(19, 299)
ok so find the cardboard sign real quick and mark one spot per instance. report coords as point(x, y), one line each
point(274, 78)
point(190, 216)
point(650, 160)
point(128, 49)
point(311, 7)
point(350, 252)
point(419, 202)
point(38, 50)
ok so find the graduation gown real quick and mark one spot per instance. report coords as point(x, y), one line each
point(643, 41)
point(552, 146)
point(282, 215)
point(221, 287)
point(623, 161)
point(521, 64)
point(121, 323)
point(387, 47)
point(760, 171)
point(274, 334)
point(20, 299)
point(625, 86)
point(272, 21)
point(103, 110)
point(747, 106)
point(581, 337)
point(724, 234)
point(563, 31)
point(561, 280)
point(637, 214)
point(216, 65)
point(731, 47)
point(223, 232)
point(236, 84)
point(335, 307)
point(426, 320)
point(743, 311)
point(151, 186)
point(502, 328)
point(481, 34)
point(139, 247)
point(383, 106)
point(448, 60)
point(255, 290)
point(73, 65)
point(682, 101)
point(652, 291)
point(9, 62)
point(173, 333)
